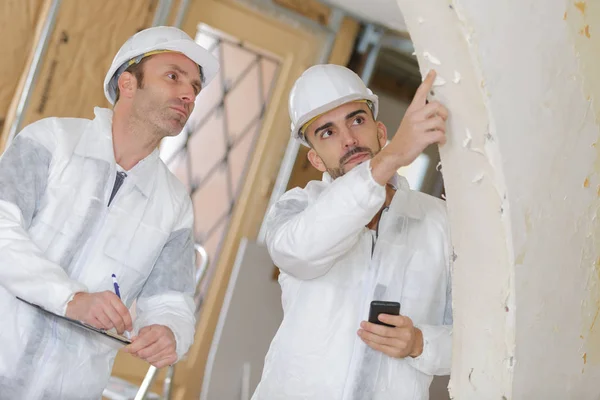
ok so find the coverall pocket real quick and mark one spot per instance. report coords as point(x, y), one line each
point(139, 252)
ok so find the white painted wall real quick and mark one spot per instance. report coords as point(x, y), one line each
point(522, 188)
point(248, 321)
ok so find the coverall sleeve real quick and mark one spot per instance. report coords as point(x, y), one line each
point(305, 236)
point(436, 358)
point(167, 297)
point(24, 270)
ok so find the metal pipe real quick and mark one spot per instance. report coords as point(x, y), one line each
point(32, 73)
point(400, 44)
point(369, 66)
point(183, 7)
point(147, 383)
point(291, 152)
point(334, 24)
point(372, 41)
point(162, 12)
point(168, 382)
point(202, 268)
point(245, 392)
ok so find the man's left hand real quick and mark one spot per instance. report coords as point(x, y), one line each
point(399, 341)
point(154, 344)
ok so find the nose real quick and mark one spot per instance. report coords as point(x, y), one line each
point(348, 138)
point(187, 94)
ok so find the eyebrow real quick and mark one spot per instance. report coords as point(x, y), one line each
point(323, 127)
point(197, 83)
point(330, 124)
point(355, 113)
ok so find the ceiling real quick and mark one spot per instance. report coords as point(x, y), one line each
point(382, 12)
point(395, 56)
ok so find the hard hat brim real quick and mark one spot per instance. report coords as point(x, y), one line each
point(328, 107)
point(193, 51)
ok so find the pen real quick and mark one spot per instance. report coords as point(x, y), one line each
point(116, 285)
point(118, 293)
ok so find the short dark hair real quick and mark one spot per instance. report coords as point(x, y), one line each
point(137, 69)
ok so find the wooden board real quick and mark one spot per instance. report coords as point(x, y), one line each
point(86, 36)
point(18, 20)
point(312, 9)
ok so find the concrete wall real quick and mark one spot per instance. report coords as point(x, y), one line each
point(521, 170)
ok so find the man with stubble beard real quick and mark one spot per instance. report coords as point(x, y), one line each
point(92, 220)
point(359, 235)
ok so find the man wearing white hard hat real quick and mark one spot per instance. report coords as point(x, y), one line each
point(359, 235)
point(92, 220)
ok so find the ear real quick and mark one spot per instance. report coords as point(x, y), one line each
point(381, 134)
point(316, 161)
point(127, 84)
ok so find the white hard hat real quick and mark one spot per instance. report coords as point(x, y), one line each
point(322, 88)
point(166, 38)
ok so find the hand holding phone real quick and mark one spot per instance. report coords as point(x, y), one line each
point(398, 341)
point(383, 307)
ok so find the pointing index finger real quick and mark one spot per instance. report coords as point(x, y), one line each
point(420, 98)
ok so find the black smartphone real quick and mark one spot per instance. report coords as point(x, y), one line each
point(383, 307)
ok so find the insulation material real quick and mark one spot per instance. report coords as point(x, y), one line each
point(86, 36)
point(18, 20)
point(522, 175)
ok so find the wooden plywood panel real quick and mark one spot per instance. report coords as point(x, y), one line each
point(82, 45)
point(344, 42)
point(18, 20)
point(312, 9)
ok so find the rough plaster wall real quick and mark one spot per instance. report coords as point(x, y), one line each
point(522, 188)
point(483, 336)
point(583, 21)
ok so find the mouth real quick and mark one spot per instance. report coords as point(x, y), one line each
point(180, 111)
point(357, 158)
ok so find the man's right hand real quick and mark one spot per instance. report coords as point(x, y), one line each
point(423, 124)
point(103, 310)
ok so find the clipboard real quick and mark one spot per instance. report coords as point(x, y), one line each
point(113, 336)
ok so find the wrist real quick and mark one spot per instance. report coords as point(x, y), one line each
point(70, 302)
point(385, 165)
point(418, 344)
point(75, 296)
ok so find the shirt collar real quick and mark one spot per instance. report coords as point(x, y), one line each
point(97, 143)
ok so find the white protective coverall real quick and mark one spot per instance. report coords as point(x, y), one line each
point(332, 267)
point(58, 237)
